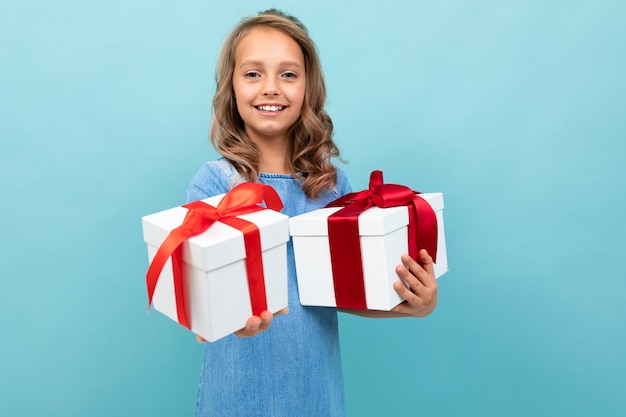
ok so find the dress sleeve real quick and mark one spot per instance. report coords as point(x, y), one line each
point(208, 182)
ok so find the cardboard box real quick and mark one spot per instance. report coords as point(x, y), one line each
point(383, 237)
point(214, 270)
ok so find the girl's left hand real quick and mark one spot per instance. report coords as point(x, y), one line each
point(421, 296)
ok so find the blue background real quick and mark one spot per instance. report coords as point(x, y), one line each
point(515, 110)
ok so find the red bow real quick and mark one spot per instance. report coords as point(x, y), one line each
point(242, 199)
point(344, 240)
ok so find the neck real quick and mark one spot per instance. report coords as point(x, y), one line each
point(273, 160)
point(274, 155)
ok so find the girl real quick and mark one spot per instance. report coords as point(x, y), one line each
point(270, 126)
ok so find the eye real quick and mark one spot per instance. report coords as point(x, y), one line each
point(252, 74)
point(290, 75)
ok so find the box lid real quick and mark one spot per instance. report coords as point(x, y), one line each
point(220, 244)
point(434, 199)
point(374, 221)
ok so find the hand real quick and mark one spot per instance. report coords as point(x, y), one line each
point(255, 324)
point(421, 296)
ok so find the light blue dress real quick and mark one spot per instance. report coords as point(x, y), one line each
point(294, 368)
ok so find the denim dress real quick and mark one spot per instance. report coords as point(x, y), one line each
point(294, 368)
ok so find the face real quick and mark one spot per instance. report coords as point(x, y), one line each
point(269, 81)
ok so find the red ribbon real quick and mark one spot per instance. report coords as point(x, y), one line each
point(242, 199)
point(345, 242)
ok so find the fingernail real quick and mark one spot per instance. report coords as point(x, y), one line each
point(405, 257)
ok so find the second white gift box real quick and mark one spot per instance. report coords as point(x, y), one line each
point(215, 282)
point(383, 239)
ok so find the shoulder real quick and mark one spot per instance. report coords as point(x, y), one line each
point(339, 189)
point(343, 184)
point(213, 178)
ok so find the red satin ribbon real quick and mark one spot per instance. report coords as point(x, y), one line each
point(242, 199)
point(345, 242)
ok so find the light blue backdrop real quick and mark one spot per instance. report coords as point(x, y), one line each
point(515, 110)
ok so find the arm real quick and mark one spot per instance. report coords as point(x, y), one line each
point(421, 296)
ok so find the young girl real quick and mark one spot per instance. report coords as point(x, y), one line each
point(271, 127)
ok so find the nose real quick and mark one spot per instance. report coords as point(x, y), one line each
point(270, 88)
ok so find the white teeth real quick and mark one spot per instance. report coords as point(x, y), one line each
point(270, 108)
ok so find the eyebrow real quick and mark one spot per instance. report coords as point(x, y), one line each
point(260, 63)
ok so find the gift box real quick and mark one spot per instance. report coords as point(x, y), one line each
point(359, 272)
point(213, 281)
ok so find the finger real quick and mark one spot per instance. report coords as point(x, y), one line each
point(404, 292)
point(200, 339)
point(281, 312)
point(422, 270)
point(418, 304)
point(252, 327)
point(258, 324)
point(426, 261)
point(266, 320)
point(416, 287)
point(408, 278)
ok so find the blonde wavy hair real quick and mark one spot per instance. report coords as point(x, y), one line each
point(312, 145)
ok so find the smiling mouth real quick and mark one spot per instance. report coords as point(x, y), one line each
point(273, 109)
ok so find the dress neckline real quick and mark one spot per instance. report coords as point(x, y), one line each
point(278, 176)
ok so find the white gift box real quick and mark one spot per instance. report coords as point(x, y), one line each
point(214, 270)
point(383, 237)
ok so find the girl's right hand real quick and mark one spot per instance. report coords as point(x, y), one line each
point(254, 325)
